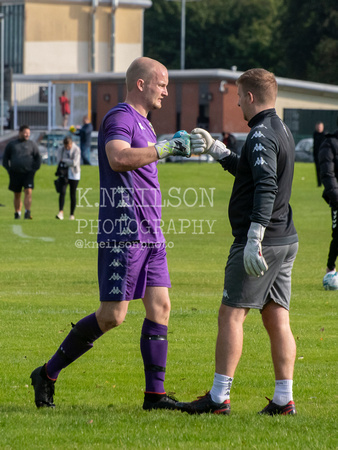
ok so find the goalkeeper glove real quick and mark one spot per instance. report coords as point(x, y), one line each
point(179, 145)
point(202, 142)
point(254, 262)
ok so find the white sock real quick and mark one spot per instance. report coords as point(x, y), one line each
point(220, 390)
point(283, 392)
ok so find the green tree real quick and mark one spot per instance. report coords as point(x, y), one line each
point(294, 39)
point(219, 33)
point(309, 39)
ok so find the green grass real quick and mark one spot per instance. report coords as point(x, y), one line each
point(47, 284)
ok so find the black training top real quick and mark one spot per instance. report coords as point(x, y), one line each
point(328, 161)
point(263, 181)
point(21, 156)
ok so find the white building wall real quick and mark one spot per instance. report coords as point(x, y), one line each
point(56, 57)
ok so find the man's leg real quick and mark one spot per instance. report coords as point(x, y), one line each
point(28, 202)
point(228, 352)
point(17, 202)
point(229, 346)
point(283, 346)
point(28, 199)
point(333, 250)
point(79, 340)
point(154, 347)
point(230, 339)
point(85, 153)
point(283, 352)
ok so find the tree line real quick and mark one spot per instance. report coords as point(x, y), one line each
point(293, 39)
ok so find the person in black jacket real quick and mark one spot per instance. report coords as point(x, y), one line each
point(318, 137)
point(85, 133)
point(258, 270)
point(328, 163)
point(22, 159)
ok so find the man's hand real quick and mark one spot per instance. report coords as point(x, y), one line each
point(179, 145)
point(202, 142)
point(254, 262)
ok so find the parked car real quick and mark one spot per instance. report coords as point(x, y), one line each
point(304, 150)
point(240, 140)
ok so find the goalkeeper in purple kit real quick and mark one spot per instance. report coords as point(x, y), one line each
point(132, 261)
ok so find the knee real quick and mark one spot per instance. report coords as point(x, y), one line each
point(109, 321)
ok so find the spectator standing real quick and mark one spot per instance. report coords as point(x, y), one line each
point(22, 159)
point(65, 108)
point(328, 164)
point(318, 137)
point(85, 133)
point(70, 154)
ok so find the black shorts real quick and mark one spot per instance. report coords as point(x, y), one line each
point(18, 180)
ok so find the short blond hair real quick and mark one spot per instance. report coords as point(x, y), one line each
point(261, 83)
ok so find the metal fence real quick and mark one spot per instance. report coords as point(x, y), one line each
point(37, 104)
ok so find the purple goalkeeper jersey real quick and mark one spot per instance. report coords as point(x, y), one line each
point(130, 202)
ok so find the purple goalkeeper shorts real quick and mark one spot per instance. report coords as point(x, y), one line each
point(127, 268)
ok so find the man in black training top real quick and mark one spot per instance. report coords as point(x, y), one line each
point(22, 159)
point(258, 270)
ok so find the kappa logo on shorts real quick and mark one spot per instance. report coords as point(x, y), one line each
point(115, 263)
point(115, 277)
point(116, 250)
point(225, 294)
point(115, 291)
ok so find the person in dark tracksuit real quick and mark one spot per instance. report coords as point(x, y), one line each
point(328, 163)
point(258, 270)
point(21, 160)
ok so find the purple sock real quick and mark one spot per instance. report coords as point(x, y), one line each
point(79, 340)
point(154, 349)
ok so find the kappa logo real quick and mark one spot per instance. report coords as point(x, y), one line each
point(258, 148)
point(260, 161)
point(116, 250)
point(115, 291)
point(141, 126)
point(115, 277)
point(122, 204)
point(225, 294)
point(115, 263)
point(257, 134)
point(125, 217)
point(334, 219)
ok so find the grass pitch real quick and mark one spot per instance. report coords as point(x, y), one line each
point(48, 280)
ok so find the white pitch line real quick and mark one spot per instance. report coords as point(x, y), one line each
point(17, 229)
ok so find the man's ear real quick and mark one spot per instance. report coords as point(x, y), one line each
point(140, 84)
point(251, 96)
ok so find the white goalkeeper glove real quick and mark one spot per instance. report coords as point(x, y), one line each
point(202, 142)
point(254, 262)
point(179, 145)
